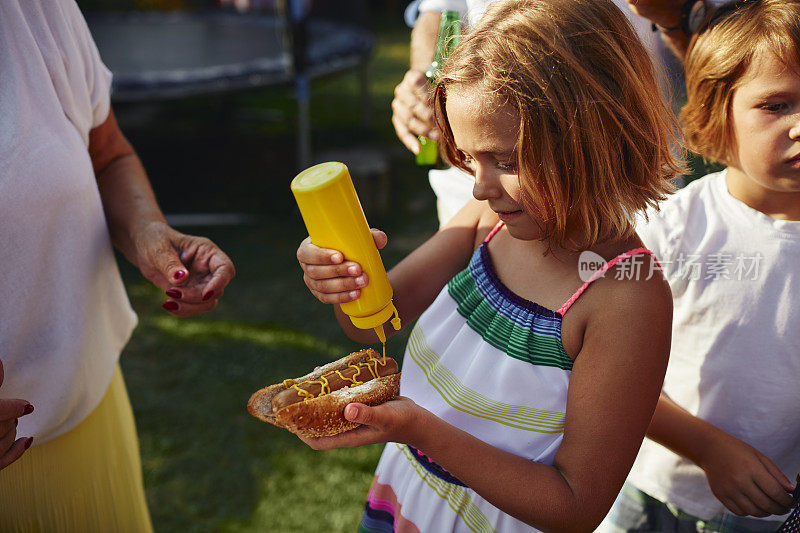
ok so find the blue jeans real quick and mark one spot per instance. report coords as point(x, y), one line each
point(636, 511)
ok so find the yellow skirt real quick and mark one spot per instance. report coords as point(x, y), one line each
point(87, 480)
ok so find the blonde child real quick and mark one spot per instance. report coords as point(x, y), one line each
point(729, 423)
point(525, 397)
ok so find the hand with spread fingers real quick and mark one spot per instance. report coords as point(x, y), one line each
point(192, 271)
point(11, 410)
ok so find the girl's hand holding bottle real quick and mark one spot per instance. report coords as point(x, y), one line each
point(330, 278)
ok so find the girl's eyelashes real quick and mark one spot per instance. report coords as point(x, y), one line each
point(466, 162)
point(506, 166)
point(773, 107)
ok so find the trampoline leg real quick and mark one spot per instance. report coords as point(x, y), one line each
point(303, 123)
point(303, 134)
point(363, 78)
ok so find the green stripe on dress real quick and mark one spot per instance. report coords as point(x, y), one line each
point(496, 329)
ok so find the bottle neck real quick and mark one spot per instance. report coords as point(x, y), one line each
point(449, 36)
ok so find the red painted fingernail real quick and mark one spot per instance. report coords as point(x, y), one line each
point(208, 296)
point(169, 305)
point(28, 443)
point(28, 409)
point(180, 274)
point(174, 293)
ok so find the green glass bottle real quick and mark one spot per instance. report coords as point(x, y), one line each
point(446, 42)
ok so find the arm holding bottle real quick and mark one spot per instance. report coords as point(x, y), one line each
point(412, 107)
point(755, 487)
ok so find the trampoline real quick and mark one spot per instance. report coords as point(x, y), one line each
point(157, 55)
point(163, 55)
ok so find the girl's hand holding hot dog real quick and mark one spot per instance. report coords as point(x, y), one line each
point(398, 420)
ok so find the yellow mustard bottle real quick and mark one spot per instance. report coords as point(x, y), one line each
point(334, 219)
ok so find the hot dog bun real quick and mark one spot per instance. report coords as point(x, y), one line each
point(323, 416)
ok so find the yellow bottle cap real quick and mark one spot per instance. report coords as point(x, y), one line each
point(377, 320)
point(318, 176)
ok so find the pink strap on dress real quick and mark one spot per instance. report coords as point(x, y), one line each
point(602, 270)
point(495, 229)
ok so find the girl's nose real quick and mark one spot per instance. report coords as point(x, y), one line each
point(794, 131)
point(486, 186)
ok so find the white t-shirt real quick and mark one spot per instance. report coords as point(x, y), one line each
point(735, 359)
point(64, 314)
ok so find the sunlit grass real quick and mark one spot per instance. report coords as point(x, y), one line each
point(273, 336)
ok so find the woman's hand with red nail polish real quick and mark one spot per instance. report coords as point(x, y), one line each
point(12, 448)
point(191, 269)
point(174, 293)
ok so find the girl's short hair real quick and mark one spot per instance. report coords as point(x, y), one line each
point(595, 138)
point(717, 61)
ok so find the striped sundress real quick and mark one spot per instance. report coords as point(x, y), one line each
point(491, 363)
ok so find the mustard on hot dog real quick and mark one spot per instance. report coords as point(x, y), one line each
point(313, 405)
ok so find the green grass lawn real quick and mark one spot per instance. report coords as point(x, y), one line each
point(208, 465)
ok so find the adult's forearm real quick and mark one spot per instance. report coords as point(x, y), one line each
point(666, 14)
point(128, 201)
point(423, 40)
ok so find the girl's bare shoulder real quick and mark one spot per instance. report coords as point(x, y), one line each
point(477, 217)
point(632, 298)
